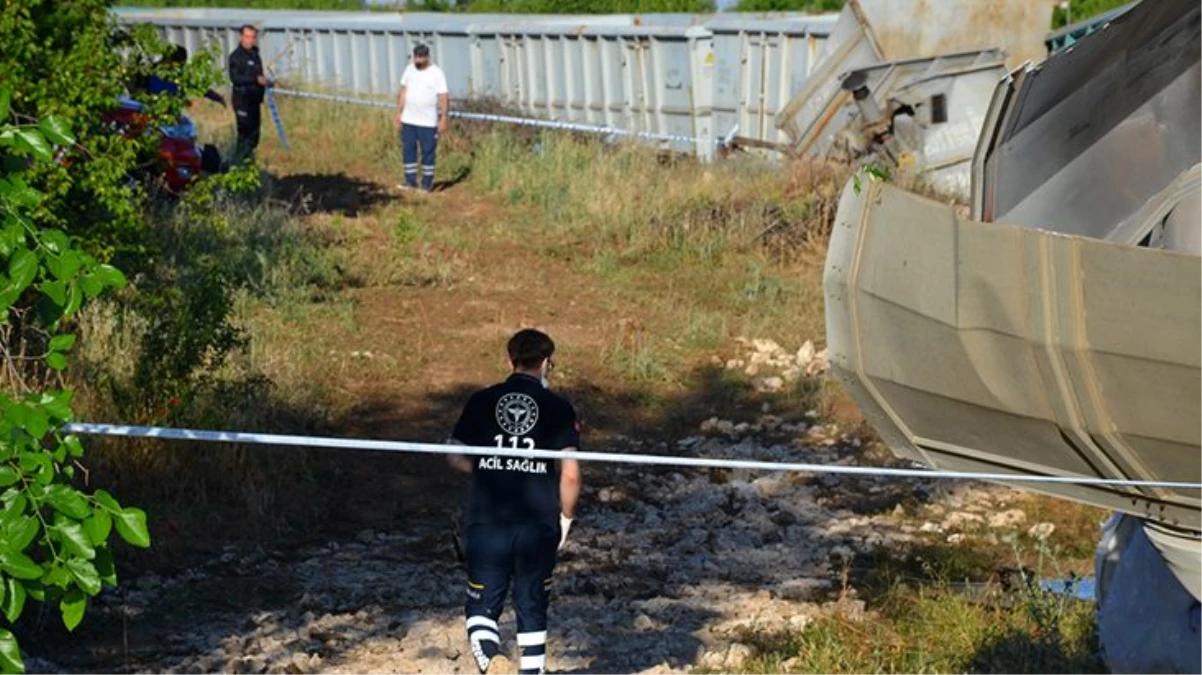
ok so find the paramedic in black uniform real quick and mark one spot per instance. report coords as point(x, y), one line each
point(518, 510)
point(246, 74)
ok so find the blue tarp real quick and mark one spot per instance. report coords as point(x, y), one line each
point(1081, 588)
point(275, 117)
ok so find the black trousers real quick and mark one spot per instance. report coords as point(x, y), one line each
point(249, 118)
point(499, 556)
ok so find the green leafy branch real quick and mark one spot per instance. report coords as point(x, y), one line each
point(54, 538)
point(874, 172)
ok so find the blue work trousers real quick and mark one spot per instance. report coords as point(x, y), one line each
point(411, 137)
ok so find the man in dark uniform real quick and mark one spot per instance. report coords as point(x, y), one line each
point(519, 510)
point(246, 73)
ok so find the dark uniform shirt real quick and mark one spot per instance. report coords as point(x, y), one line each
point(160, 85)
point(518, 413)
point(245, 68)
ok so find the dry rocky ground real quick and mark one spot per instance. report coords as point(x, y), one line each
point(665, 570)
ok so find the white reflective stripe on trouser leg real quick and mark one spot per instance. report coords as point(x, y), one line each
point(485, 634)
point(533, 662)
point(532, 639)
point(481, 629)
point(473, 621)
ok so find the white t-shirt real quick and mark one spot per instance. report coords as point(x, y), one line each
point(422, 88)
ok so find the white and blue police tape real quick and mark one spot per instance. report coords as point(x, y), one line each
point(520, 121)
point(611, 457)
point(275, 117)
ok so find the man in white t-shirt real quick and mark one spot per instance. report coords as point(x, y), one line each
point(422, 108)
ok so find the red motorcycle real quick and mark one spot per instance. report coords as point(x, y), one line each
point(180, 159)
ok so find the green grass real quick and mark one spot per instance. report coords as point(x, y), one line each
point(705, 329)
point(623, 197)
point(406, 231)
point(691, 231)
point(936, 608)
point(936, 629)
point(640, 359)
point(250, 4)
point(278, 275)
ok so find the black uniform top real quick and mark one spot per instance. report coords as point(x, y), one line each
point(245, 69)
point(517, 413)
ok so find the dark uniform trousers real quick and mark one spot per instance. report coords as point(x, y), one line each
point(248, 115)
point(498, 555)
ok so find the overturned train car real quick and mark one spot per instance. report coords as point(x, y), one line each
point(1056, 331)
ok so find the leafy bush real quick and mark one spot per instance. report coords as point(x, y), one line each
point(812, 6)
point(498, 6)
point(1072, 12)
point(252, 4)
point(69, 59)
point(1081, 10)
point(54, 538)
point(207, 249)
point(72, 59)
point(589, 6)
point(68, 207)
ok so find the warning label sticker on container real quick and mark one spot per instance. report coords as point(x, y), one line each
point(709, 59)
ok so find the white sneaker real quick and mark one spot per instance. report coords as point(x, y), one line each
point(500, 665)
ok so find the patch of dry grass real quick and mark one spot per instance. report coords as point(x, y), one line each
point(936, 607)
point(935, 628)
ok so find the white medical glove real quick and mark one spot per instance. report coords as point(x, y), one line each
point(565, 524)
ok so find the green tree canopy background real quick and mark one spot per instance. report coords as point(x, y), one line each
point(1078, 10)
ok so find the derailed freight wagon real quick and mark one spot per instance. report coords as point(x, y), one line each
point(1057, 331)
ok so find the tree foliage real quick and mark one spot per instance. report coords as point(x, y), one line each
point(255, 4)
point(1077, 11)
point(812, 6)
point(69, 208)
point(1062, 14)
point(73, 60)
point(1080, 10)
point(69, 59)
point(54, 537)
point(589, 6)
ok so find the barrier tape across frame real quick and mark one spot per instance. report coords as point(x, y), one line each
point(251, 438)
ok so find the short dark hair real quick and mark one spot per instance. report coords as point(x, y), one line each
point(421, 50)
point(248, 27)
point(528, 348)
